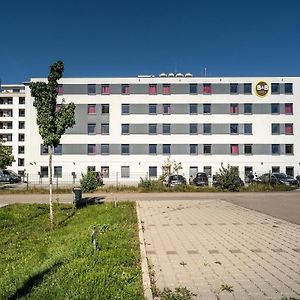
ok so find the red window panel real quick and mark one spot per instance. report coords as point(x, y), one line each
point(105, 89)
point(234, 108)
point(60, 90)
point(152, 89)
point(166, 89)
point(288, 108)
point(58, 107)
point(235, 149)
point(91, 109)
point(125, 89)
point(289, 129)
point(207, 88)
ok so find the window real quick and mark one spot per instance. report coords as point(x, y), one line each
point(275, 128)
point(234, 128)
point(193, 88)
point(125, 89)
point(21, 162)
point(193, 128)
point(248, 149)
point(105, 171)
point(152, 89)
point(21, 100)
point(125, 109)
point(247, 88)
point(166, 108)
point(166, 128)
point(248, 108)
point(125, 149)
point(21, 125)
point(44, 172)
point(193, 171)
point(166, 90)
point(125, 172)
point(125, 129)
point(152, 128)
point(275, 88)
point(275, 108)
point(44, 149)
point(91, 128)
point(105, 108)
point(207, 170)
point(207, 88)
point(193, 149)
point(91, 148)
point(152, 149)
point(289, 129)
point(275, 169)
point(105, 89)
point(58, 107)
point(248, 128)
point(58, 171)
point(152, 171)
point(9, 137)
point(275, 149)
point(104, 149)
point(152, 109)
point(233, 88)
point(288, 108)
point(21, 149)
point(248, 172)
point(234, 149)
point(22, 112)
point(21, 137)
point(207, 108)
point(58, 150)
point(193, 108)
point(91, 169)
point(207, 128)
point(234, 108)
point(167, 149)
point(289, 171)
point(91, 89)
point(91, 109)
point(288, 88)
point(105, 128)
point(207, 149)
point(60, 89)
point(289, 149)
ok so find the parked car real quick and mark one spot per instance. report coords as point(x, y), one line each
point(216, 182)
point(200, 179)
point(175, 180)
point(278, 178)
point(9, 176)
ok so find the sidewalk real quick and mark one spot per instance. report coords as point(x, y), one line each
point(203, 244)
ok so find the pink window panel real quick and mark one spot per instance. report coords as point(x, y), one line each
point(60, 90)
point(288, 128)
point(166, 89)
point(288, 108)
point(58, 107)
point(207, 88)
point(91, 109)
point(126, 90)
point(234, 109)
point(105, 89)
point(152, 90)
point(234, 149)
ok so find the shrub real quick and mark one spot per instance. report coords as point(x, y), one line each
point(148, 185)
point(228, 178)
point(88, 182)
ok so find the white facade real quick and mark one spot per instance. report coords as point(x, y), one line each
point(12, 123)
point(263, 137)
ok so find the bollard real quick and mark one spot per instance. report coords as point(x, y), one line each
point(94, 237)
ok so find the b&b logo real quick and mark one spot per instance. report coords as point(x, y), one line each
point(261, 89)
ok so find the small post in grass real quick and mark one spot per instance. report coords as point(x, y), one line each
point(94, 237)
point(116, 201)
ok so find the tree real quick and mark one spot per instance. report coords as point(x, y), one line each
point(228, 178)
point(52, 122)
point(5, 156)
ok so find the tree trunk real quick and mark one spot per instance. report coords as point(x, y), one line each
point(50, 186)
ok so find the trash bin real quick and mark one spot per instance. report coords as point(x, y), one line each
point(77, 197)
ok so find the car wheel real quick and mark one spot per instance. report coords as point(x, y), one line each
point(11, 181)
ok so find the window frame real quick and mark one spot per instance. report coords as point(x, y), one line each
point(152, 149)
point(207, 149)
point(206, 105)
point(125, 109)
point(125, 149)
point(166, 147)
point(125, 129)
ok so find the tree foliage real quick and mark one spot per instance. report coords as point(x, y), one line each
point(89, 182)
point(6, 158)
point(228, 178)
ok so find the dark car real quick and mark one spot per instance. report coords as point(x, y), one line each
point(175, 180)
point(216, 182)
point(9, 176)
point(200, 179)
point(278, 178)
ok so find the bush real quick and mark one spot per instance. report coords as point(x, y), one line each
point(148, 185)
point(228, 179)
point(88, 182)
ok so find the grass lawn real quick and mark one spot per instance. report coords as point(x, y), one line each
point(39, 263)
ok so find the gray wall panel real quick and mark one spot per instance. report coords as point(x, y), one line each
point(115, 149)
point(180, 129)
point(74, 149)
point(71, 89)
point(220, 128)
point(139, 149)
point(180, 88)
point(263, 108)
point(139, 109)
point(138, 129)
point(180, 109)
point(261, 149)
point(139, 89)
point(281, 88)
point(179, 149)
point(115, 89)
point(220, 88)
point(220, 108)
point(220, 149)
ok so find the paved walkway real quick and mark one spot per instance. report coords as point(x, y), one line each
point(204, 244)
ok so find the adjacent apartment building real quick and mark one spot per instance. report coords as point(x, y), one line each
point(126, 128)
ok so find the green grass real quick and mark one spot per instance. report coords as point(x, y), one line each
point(39, 263)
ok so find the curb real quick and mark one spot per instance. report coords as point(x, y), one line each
point(144, 263)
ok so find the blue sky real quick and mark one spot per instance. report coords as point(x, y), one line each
point(127, 38)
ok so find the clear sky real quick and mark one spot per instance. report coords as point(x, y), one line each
point(127, 38)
